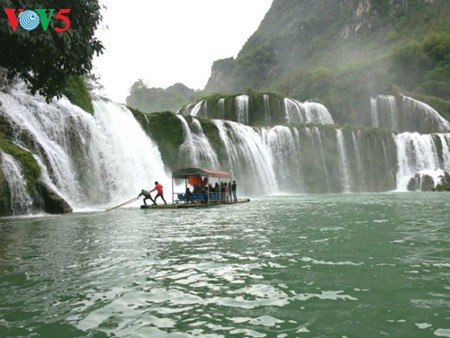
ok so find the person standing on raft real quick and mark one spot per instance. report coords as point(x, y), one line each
point(159, 188)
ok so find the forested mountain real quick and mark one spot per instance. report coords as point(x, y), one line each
point(341, 52)
point(159, 99)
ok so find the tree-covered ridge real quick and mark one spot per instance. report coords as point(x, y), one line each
point(342, 52)
point(158, 99)
point(45, 59)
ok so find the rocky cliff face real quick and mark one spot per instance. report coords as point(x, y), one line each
point(328, 50)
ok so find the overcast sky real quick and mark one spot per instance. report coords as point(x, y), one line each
point(169, 41)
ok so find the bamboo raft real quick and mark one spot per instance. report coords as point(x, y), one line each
point(191, 205)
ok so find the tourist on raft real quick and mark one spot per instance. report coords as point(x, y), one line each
point(159, 188)
point(147, 196)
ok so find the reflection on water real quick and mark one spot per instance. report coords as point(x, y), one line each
point(295, 266)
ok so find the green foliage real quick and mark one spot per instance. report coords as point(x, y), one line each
point(30, 167)
point(165, 128)
point(46, 59)
point(77, 92)
point(424, 66)
point(158, 99)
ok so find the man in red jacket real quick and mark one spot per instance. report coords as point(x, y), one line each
point(159, 188)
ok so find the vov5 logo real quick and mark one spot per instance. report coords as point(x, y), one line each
point(29, 19)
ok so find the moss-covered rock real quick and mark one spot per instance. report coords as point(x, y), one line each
point(30, 167)
point(166, 130)
point(77, 92)
point(51, 202)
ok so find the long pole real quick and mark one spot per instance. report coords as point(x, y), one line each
point(124, 203)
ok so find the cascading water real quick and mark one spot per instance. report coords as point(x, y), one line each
point(134, 160)
point(319, 146)
point(417, 154)
point(445, 142)
point(93, 160)
point(221, 105)
point(267, 117)
point(196, 109)
point(425, 115)
point(374, 112)
point(409, 115)
point(20, 200)
point(308, 112)
point(249, 157)
point(387, 112)
point(242, 109)
point(89, 160)
point(196, 150)
point(286, 158)
point(343, 163)
point(359, 167)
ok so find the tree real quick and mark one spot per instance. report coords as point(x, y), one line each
point(45, 59)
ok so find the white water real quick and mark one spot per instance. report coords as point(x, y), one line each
point(388, 111)
point(267, 116)
point(411, 105)
point(90, 161)
point(242, 109)
point(21, 201)
point(319, 145)
point(308, 112)
point(343, 164)
point(359, 167)
point(249, 157)
point(416, 154)
point(135, 161)
point(221, 105)
point(286, 156)
point(105, 158)
point(445, 141)
point(58, 132)
point(197, 108)
point(196, 151)
point(374, 112)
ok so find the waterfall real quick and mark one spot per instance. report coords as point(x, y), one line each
point(98, 159)
point(416, 154)
point(221, 105)
point(425, 115)
point(322, 156)
point(61, 136)
point(242, 109)
point(308, 112)
point(374, 112)
point(21, 201)
point(388, 112)
point(343, 163)
point(89, 160)
point(267, 110)
point(359, 167)
point(196, 150)
point(445, 141)
point(135, 161)
point(286, 158)
point(249, 157)
point(317, 113)
point(196, 109)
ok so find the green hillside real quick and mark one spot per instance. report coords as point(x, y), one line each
point(340, 52)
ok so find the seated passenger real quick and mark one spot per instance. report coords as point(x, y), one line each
point(188, 195)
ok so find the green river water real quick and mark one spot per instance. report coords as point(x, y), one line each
point(344, 265)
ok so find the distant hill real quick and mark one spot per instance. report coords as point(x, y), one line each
point(340, 52)
point(158, 99)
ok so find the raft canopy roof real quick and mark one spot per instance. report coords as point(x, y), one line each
point(187, 172)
